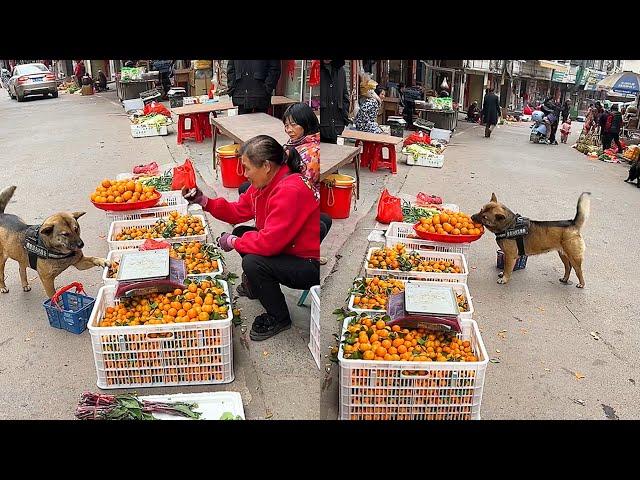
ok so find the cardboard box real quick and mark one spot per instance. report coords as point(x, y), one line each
point(87, 90)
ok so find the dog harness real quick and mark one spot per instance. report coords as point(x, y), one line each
point(36, 249)
point(517, 232)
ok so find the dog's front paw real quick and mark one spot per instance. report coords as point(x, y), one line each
point(580, 285)
point(102, 262)
point(503, 281)
point(26, 288)
point(4, 290)
point(566, 282)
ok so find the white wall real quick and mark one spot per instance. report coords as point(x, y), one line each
point(633, 65)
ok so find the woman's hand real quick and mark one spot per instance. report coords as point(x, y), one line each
point(195, 195)
point(227, 241)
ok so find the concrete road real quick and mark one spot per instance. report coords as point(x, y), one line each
point(56, 151)
point(559, 352)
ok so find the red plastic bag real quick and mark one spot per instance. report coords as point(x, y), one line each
point(184, 176)
point(155, 107)
point(389, 209)
point(151, 244)
point(417, 137)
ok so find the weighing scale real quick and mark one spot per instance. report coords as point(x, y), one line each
point(149, 271)
point(422, 305)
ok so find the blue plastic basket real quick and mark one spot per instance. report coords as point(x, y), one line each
point(75, 312)
point(521, 262)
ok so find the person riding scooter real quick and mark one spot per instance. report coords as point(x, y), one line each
point(539, 129)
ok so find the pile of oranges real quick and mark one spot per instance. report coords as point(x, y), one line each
point(370, 339)
point(122, 191)
point(373, 293)
point(176, 225)
point(450, 223)
point(397, 258)
point(198, 301)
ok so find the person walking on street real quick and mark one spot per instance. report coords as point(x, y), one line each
point(615, 126)
point(334, 100)
point(490, 111)
point(565, 111)
point(601, 121)
point(565, 130)
point(250, 83)
point(79, 71)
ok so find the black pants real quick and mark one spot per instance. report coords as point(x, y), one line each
point(266, 274)
point(329, 134)
point(325, 225)
point(616, 138)
point(554, 128)
point(242, 110)
point(606, 140)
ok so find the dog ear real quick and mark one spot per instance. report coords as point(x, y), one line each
point(47, 229)
point(77, 215)
point(500, 217)
point(493, 197)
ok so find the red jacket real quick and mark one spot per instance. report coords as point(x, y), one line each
point(287, 217)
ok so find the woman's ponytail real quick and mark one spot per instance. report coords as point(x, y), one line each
point(292, 158)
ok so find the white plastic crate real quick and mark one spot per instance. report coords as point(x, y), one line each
point(174, 200)
point(459, 288)
point(189, 353)
point(116, 255)
point(384, 390)
point(314, 327)
point(117, 226)
point(435, 161)
point(458, 260)
point(139, 130)
point(398, 232)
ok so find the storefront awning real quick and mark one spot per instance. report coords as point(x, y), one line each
point(559, 67)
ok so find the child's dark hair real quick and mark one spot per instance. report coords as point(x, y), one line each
point(303, 115)
point(263, 148)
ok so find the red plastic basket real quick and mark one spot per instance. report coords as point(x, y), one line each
point(436, 237)
point(120, 207)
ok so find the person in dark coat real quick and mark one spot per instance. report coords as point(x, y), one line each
point(250, 83)
point(490, 111)
point(615, 127)
point(565, 111)
point(334, 100)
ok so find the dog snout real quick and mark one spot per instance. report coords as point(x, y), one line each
point(80, 244)
point(475, 218)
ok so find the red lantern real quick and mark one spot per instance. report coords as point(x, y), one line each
point(314, 73)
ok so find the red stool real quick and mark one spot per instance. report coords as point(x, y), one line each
point(205, 125)
point(377, 159)
point(365, 156)
point(195, 131)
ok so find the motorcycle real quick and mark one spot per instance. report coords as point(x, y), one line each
point(538, 129)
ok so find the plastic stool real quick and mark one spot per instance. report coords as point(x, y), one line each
point(205, 125)
point(194, 132)
point(365, 156)
point(302, 298)
point(378, 161)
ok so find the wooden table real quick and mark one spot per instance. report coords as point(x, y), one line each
point(241, 128)
point(371, 137)
point(280, 100)
point(334, 156)
point(389, 104)
point(204, 108)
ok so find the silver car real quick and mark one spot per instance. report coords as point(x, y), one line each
point(32, 79)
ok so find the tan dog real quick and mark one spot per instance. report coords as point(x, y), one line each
point(58, 237)
point(562, 236)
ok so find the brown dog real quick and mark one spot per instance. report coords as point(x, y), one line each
point(562, 236)
point(58, 241)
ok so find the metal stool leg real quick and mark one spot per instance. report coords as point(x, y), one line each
point(302, 298)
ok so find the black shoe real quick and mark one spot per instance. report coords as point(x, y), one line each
point(266, 326)
point(555, 142)
point(244, 290)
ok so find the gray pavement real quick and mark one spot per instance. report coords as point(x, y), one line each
point(538, 331)
point(56, 151)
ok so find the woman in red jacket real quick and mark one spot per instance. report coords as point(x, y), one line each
point(284, 247)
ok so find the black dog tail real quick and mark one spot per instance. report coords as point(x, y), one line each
point(5, 196)
point(584, 207)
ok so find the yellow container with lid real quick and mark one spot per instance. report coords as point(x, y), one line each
point(340, 180)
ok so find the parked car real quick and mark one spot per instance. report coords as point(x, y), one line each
point(32, 79)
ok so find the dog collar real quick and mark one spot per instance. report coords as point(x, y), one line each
point(36, 249)
point(517, 232)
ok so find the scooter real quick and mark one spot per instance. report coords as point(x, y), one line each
point(538, 129)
